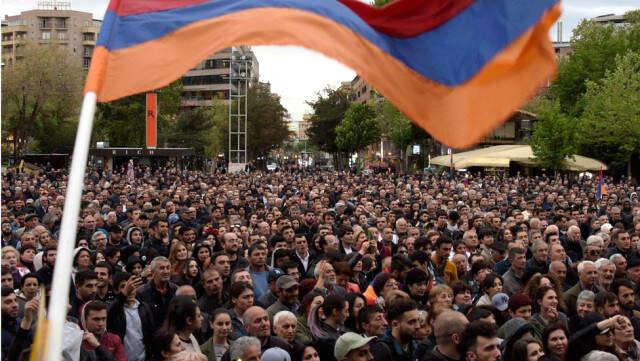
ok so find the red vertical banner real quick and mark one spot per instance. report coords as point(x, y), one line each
point(152, 120)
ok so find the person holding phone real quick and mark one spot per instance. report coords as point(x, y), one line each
point(130, 318)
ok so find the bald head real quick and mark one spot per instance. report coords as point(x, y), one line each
point(447, 324)
point(252, 313)
point(186, 290)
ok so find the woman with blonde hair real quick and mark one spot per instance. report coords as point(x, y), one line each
point(178, 256)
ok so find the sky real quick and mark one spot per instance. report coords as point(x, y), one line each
point(298, 74)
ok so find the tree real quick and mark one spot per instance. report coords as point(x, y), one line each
point(41, 96)
point(193, 129)
point(266, 121)
point(593, 48)
point(328, 111)
point(610, 126)
point(396, 126)
point(358, 129)
point(553, 138)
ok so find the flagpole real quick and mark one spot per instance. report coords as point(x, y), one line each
point(62, 274)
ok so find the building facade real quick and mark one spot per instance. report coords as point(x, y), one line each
point(210, 79)
point(52, 22)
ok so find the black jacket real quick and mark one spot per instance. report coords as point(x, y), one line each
point(117, 320)
point(158, 302)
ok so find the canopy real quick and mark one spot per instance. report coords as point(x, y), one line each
point(501, 156)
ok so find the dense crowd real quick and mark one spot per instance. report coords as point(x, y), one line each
point(309, 266)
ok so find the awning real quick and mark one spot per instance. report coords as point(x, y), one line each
point(501, 156)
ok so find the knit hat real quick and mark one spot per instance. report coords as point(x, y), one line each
point(519, 300)
point(515, 328)
point(416, 276)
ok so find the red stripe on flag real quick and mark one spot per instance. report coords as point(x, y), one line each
point(133, 7)
point(408, 18)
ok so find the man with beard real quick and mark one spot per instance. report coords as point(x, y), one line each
point(159, 237)
point(45, 274)
point(104, 292)
point(448, 328)
point(287, 288)
point(159, 291)
point(230, 245)
point(401, 342)
point(86, 290)
point(606, 273)
point(624, 289)
point(10, 322)
point(213, 296)
point(480, 343)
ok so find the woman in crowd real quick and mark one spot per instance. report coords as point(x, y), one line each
point(309, 353)
point(555, 340)
point(25, 262)
point(189, 274)
point(29, 288)
point(310, 301)
point(356, 303)
point(166, 344)
point(135, 266)
point(538, 280)
point(626, 345)
point(546, 306)
point(10, 257)
point(529, 349)
point(491, 285)
point(215, 347)
point(178, 256)
point(584, 305)
point(202, 254)
point(184, 316)
point(461, 295)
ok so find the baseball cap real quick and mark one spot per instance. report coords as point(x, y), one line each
point(275, 354)
point(500, 301)
point(274, 274)
point(285, 282)
point(606, 227)
point(348, 342)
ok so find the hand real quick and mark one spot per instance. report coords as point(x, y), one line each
point(30, 313)
point(146, 272)
point(322, 264)
point(364, 247)
point(131, 285)
point(91, 339)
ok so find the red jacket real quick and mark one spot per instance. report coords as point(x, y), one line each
point(112, 343)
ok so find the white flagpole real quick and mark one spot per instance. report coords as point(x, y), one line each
point(62, 273)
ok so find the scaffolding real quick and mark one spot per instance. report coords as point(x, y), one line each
point(239, 78)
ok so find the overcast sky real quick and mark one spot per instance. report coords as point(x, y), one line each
point(298, 74)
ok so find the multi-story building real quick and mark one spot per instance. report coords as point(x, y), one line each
point(52, 22)
point(211, 78)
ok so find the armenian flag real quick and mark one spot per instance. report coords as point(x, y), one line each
point(457, 68)
point(601, 188)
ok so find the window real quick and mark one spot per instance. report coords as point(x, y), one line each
point(89, 37)
point(46, 35)
point(61, 23)
point(87, 52)
point(62, 35)
point(45, 23)
point(86, 62)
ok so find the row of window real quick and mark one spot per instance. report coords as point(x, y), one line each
point(49, 23)
point(204, 80)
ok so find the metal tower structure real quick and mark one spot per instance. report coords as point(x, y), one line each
point(239, 78)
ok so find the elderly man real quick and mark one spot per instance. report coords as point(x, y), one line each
point(285, 325)
point(245, 348)
point(573, 244)
point(558, 270)
point(588, 278)
point(606, 273)
point(353, 347)
point(256, 322)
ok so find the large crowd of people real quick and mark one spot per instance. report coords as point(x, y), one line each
point(331, 266)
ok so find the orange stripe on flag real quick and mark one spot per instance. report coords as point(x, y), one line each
point(475, 107)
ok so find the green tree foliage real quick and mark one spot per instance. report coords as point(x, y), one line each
point(41, 96)
point(593, 48)
point(122, 122)
point(553, 137)
point(193, 129)
point(610, 127)
point(358, 129)
point(328, 111)
point(395, 125)
point(266, 118)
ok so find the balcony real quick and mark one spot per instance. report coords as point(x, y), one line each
point(88, 43)
point(193, 102)
point(17, 28)
point(90, 29)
